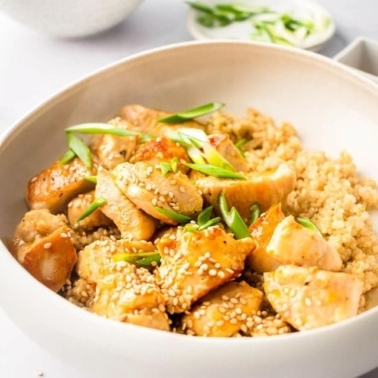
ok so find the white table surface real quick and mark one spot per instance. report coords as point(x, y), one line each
point(34, 66)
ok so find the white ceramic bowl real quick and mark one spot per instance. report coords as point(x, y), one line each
point(69, 18)
point(333, 109)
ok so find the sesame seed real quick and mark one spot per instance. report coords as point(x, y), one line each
point(225, 298)
point(219, 323)
point(233, 321)
point(47, 245)
point(234, 300)
point(221, 274)
point(212, 272)
point(182, 189)
point(308, 302)
point(154, 201)
point(244, 328)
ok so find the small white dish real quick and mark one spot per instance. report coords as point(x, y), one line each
point(362, 56)
point(242, 30)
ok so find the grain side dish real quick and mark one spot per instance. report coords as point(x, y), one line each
point(217, 226)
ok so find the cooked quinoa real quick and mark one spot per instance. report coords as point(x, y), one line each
point(328, 191)
point(205, 283)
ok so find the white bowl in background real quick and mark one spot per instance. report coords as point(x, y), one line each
point(361, 55)
point(69, 18)
point(333, 109)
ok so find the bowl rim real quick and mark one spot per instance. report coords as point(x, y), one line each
point(85, 320)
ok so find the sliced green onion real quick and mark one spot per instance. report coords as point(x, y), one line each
point(138, 258)
point(177, 217)
point(307, 223)
point(144, 137)
point(80, 149)
point(192, 113)
point(211, 170)
point(67, 157)
point(195, 155)
point(255, 213)
point(205, 215)
point(239, 144)
point(233, 219)
point(91, 179)
point(97, 203)
point(213, 157)
point(209, 223)
point(174, 164)
point(165, 168)
point(100, 128)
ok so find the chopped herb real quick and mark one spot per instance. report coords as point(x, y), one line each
point(67, 157)
point(233, 219)
point(138, 258)
point(307, 223)
point(239, 144)
point(100, 128)
point(211, 170)
point(91, 179)
point(97, 203)
point(255, 213)
point(177, 217)
point(204, 219)
point(169, 167)
point(192, 113)
point(80, 149)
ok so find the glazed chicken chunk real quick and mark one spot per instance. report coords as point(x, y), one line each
point(224, 312)
point(43, 246)
point(309, 298)
point(57, 185)
point(129, 294)
point(132, 221)
point(95, 257)
point(161, 150)
point(194, 263)
point(112, 149)
point(266, 189)
point(147, 187)
point(77, 207)
point(283, 241)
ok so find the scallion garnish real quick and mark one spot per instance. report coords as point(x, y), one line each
point(239, 144)
point(67, 157)
point(204, 219)
point(233, 219)
point(97, 203)
point(307, 223)
point(177, 217)
point(91, 179)
point(80, 149)
point(192, 113)
point(255, 213)
point(213, 157)
point(211, 170)
point(172, 166)
point(100, 128)
point(138, 258)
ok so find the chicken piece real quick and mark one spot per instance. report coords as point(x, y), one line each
point(145, 120)
point(294, 244)
point(308, 298)
point(42, 245)
point(96, 256)
point(261, 232)
point(147, 187)
point(131, 221)
point(113, 149)
point(128, 294)
point(161, 150)
point(194, 263)
point(223, 144)
point(267, 189)
point(57, 185)
point(224, 311)
point(77, 207)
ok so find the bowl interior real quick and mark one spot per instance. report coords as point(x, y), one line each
point(332, 108)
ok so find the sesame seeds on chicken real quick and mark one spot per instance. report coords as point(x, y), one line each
point(181, 231)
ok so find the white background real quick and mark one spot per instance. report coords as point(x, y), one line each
point(34, 66)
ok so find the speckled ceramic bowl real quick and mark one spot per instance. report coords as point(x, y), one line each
point(69, 18)
point(332, 107)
